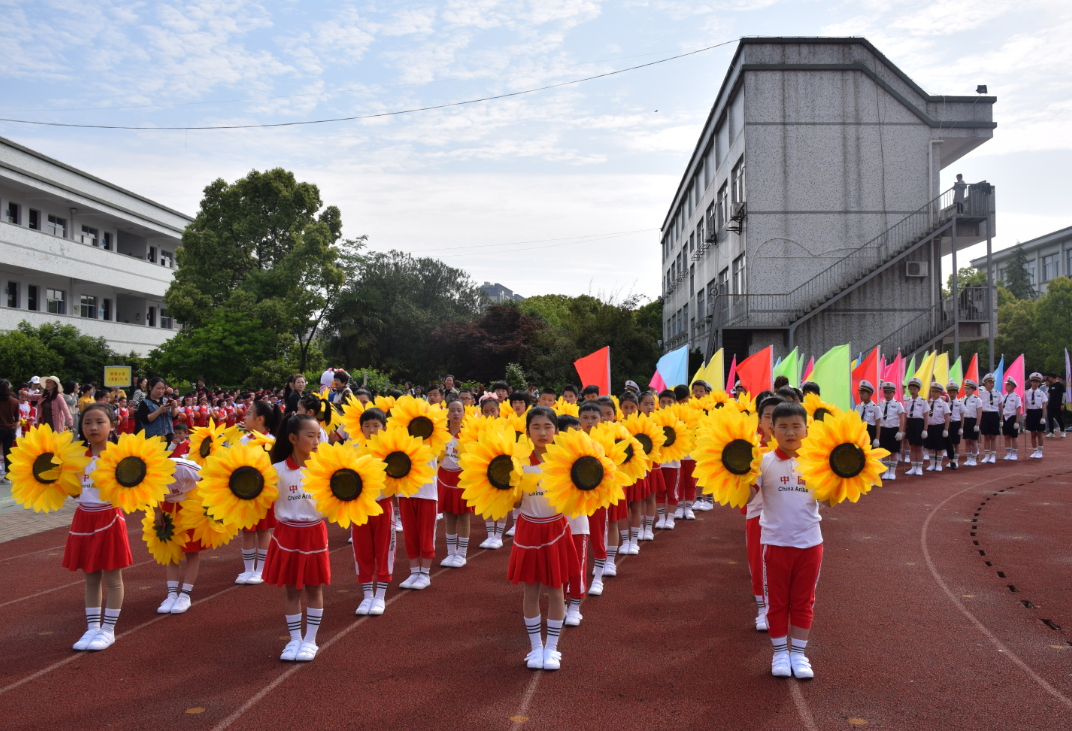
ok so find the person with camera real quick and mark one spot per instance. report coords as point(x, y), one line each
point(156, 411)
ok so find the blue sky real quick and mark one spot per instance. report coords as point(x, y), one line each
point(560, 191)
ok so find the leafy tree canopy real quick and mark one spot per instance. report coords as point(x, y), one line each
point(1017, 279)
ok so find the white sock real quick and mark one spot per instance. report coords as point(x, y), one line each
point(93, 616)
point(575, 604)
point(649, 521)
point(759, 602)
point(294, 625)
point(110, 618)
point(554, 628)
point(612, 552)
point(262, 554)
point(500, 528)
point(187, 588)
point(367, 588)
point(414, 570)
point(490, 526)
point(312, 623)
point(661, 512)
point(798, 646)
point(634, 534)
point(249, 558)
point(534, 625)
point(381, 591)
point(463, 546)
point(172, 587)
point(452, 544)
point(597, 573)
point(781, 645)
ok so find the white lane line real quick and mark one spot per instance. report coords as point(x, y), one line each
point(802, 705)
point(66, 586)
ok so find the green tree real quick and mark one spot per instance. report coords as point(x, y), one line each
point(1053, 324)
point(1017, 279)
point(551, 309)
point(82, 357)
point(23, 356)
point(966, 277)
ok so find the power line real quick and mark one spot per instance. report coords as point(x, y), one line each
point(370, 116)
point(568, 239)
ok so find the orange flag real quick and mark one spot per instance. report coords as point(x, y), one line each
point(594, 370)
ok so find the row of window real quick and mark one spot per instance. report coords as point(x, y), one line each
point(89, 306)
point(728, 282)
point(1049, 267)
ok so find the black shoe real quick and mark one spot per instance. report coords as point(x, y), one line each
point(954, 466)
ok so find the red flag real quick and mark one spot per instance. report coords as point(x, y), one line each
point(868, 370)
point(754, 371)
point(731, 379)
point(895, 373)
point(973, 370)
point(594, 370)
point(807, 371)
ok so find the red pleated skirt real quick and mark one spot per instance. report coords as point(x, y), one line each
point(97, 541)
point(450, 495)
point(267, 522)
point(298, 555)
point(191, 546)
point(638, 490)
point(542, 552)
point(619, 510)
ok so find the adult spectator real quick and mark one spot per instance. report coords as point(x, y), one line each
point(341, 388)
point(51, 408)
point(1055, 406)
point(448, 383)
point(156, 411)
point(959, 188)
point(292, 392)
point(9, 421)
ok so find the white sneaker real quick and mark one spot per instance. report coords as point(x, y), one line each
point(610, 569)
point(448, 561)
point(1013, 457)
point(780, 667)
point(703, 506)
point(634, 549)
point(291, 651)
point(660, 523)
point(573, 617)
point(649, 535)
point(104, 639)
point(243, 577)
point(84, 640)
point(423, 581)
point(255, 578)
point(306, 652)
point(689, 514)
point(497, 542)
point(364, 607)
point(408, 583)
point(552, 659)
point(379, 604)
point(669, 522)
point(398, 525)
point(596, 589)
point(938, 467)
point(679, 514)
point(350, 540)
point(181, 604)
point(893, 474)
point(801, 665)
point(510, 533)
point(761, 622)
point(930, 467)
point(534, 660)
point(488, 542)
point(167, 604)
point(993, 457)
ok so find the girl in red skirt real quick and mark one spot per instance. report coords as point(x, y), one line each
point(97, 542)
point(374, 542)
point(262, 417)
point(454, 508)
point(298, 553)
point(186, 479)
point(542, 553)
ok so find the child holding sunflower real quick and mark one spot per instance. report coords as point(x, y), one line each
point(753, 538)
point(186, 478)
point(589, 415)
point(374, 542)
point(97, 543)
point(298, 553)
point(489, 409)
point(656, 482)
point(666, 500)
point(453, 506)
point(264, 418)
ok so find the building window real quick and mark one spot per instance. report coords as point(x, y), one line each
point(11, 213)
point(35, 220)
point(107, 241)
point(1068, 263)
point(56, 301)
point(90, 236)
point(722, 210)
point(106, 309)
point(685, 321)
point(87, 307)
point(738, 275)
point(166, 258)
point(150, 319)
point(152, 254)
point(700, 303)
point(692, 280)
point(737, 181)
point(1049, 267)
point(712, 229)
point(165, 321)
point(56, 226)
point(692, 242)
point(673, 270)
point(724, 281)
point(31, 297)
point(12, 293)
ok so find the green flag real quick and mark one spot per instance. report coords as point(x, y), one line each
point(956, 373)
point(910, 370)
point(834, 376)
point(788, 368)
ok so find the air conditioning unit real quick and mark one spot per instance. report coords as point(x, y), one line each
point(736, 210)
point(915, 268)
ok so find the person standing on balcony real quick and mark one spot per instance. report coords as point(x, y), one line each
point(959, 189)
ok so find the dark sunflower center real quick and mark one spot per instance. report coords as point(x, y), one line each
point(206, 448)
point(166, 531)
point(587, 473)
point(246, 482)
point(398, 465)
point(41, 465)
point(847, 460)
point(421, 427)
point(130, 471)
point(628, 451)
point(645, 442)
point(518, 435)
point(671, 436)
point(346, 484)
point(499, 471)
point(821, 414)
point(720, 404)
point(737, 457)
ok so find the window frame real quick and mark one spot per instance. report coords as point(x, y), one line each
point(53, 221)
point(60, 301)
point(8, 294)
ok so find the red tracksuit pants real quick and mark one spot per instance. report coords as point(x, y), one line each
point(418, 526)
point(597, 524)
point(374, 545)
point(576, 578)
point(789, 579)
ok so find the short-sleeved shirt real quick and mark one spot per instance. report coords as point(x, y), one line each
point(971, 405)
point(891, 414)
point(956, 409)
point(915, 407)
point(869, 412)
point(294, 504)
point(1035, 398)
point(790, 514)
point(1056, 393)
point(535, 504)
point(430, 489)
point(991, 398)
point(1012, 403)
point(186, 478)
point(937, 410)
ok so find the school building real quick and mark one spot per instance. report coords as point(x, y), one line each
point(810, 213)
point(1048, 257)
point(78, 250)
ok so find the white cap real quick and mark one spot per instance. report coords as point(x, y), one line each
point(35, 379)
point(866, 386)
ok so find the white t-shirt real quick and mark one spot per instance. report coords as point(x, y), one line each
point(430, 489)
point(90, 495)
point(1012, 403)
point(294, 505)
point(579, 525)
point(450, 456)
point(536, 504)
point(790, 514)
point(186, 479)
point(937, 411)
point(869, 412)
point(890, 416)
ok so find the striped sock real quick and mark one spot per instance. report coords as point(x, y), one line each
point(798, 646)
point(312, 623)
point(262, 553)
point(110, 618)
point(172, 587)
point(249, 558)
point(463, 546)
point(187, 588)
point(366, 586)
point(294, 626)
point(381, 590)
point(554, 628)
point(93, 616)
point(634, 534)
point(759, 601)
point(649, 521)
point(533, 625)
point(661, 512)
point(575, 604)
point(490, 526)
point(612, 551)
point(452, 544)
point(500, 528)
point(600, 563)
point(780, 644)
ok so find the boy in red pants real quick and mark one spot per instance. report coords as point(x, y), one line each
point(792, 544)
point(374, 542)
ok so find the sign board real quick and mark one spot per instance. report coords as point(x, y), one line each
point(117, 376)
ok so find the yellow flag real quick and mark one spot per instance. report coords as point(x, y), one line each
point(698, 376)
point(925, 373)
point(941, 369)
point(714, 373)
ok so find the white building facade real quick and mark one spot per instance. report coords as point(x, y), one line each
point(78, 250)
point(1048, 257)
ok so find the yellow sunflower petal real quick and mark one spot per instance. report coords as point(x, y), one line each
point(194, 518)
point(238, 485)
point(407, 460)
point(205, 440)
point(134, 473)
point(345, 483)
point(728, 455)
point(578, 477)
point(837, 460)
point(46, 467)
point(650, 435)
point(421, 420)
point(492, 470)
point(165, 541)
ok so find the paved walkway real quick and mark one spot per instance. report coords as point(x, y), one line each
point(17, 522)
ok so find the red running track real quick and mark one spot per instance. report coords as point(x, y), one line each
point(915, 629)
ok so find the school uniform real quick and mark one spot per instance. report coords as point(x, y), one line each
point(990, 417)
point(450, 495)
point(543, 550)
point(870, 414)
point(637, 491)
point(667, 486)
point(579, 527)
point(753, 542)
point(375, 544)
point(971, 406)
point(186, 478)
point(418, 514)
point(686, 490)
point(956, 424)
point(890, 421)
point(97, 539)
point(1035, 400)
point(268, 522)
point(792, 543)
point(915, 411)
point(1011, 426)
point(298, 552)
point(937, 410)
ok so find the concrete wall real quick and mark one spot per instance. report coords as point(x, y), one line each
point(121, 337)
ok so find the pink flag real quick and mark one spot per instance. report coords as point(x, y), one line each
point(732, 378)
point(894, 373)
point(807, 371)
point(657, 383)
point(1016, 372)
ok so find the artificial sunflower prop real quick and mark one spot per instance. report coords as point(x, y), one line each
point(618, 415)
point(407, 460)
point(46, 467)
point(134, 473)
point(264, 441)
point(345, 483)
point(648, 433)
point(233, 434)
point(578, 477)
point(202, 527)
point(837, 460)
point(565, 407)
point(351, 419)
point(717, 400)
point(818, 409)
point(677, 441)
point(206, 440)
point(517, 423)
point(471, 411)
point(384, 404)
point(636, 463)
point(165, 541)
point(472, 428)
point(746, 404)
point(327, 413)
point(427, 423)
point(728, 456)
point(493, 476)
point(238, 485)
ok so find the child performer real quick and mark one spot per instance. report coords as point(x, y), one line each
point(937, 429)
point(915, 411)
point(792, 544)
point(753, 539)
point(686, 483)
point(261, 417)
point(455, 510)
point(374, 542)
point(418, 513)
point(891, 428)
point(548, 397)
point(667, 485)
point(640, 496)
point(956, 425)
point(489, 409)
point(971, 405)
point(186, 479)
point(519, 402)
point(180, 445)
point(869, 411)
point(603, 529)
point(97, 542)
point(1011, 413)
point(620, 512)
point(588, 416)
point(1035, 400)
point(543, 552)
point(298, 554)
point(990, 424)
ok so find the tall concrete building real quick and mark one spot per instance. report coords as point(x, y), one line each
point(1048, 257)
point(78, 250)
point(810, 212)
